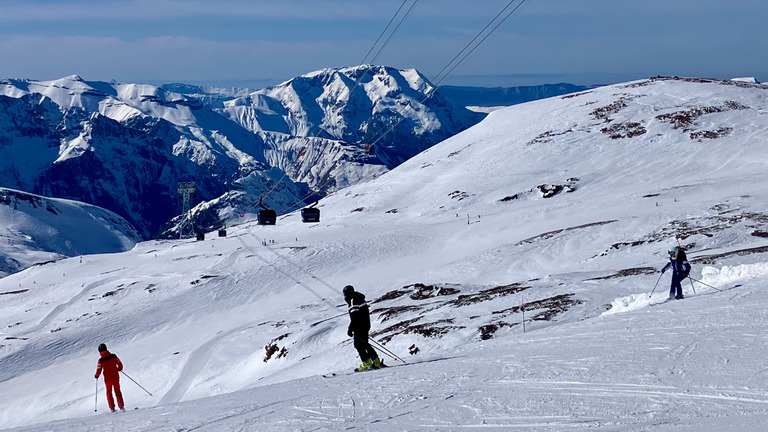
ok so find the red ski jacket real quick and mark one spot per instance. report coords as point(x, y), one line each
point(110, 365)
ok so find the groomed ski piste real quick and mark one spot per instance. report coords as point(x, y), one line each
point(511, 266)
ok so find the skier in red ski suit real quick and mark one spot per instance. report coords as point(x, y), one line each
point(111, 366)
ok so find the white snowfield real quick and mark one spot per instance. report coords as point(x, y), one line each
point(235, 333)
point(36, 229)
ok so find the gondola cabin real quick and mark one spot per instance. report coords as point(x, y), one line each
point(310, 214)
point(267, 217)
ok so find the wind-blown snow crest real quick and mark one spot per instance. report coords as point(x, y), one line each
point(634, 302)
point(726, 276)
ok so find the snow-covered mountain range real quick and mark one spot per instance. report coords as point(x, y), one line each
point(514, 266)
point(125, 147)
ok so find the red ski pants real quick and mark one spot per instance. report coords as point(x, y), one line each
point(110, 385)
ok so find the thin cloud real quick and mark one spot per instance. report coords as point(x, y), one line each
point(148, 10)
point(165, 58)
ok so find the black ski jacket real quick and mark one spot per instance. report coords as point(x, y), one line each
point(359, 315)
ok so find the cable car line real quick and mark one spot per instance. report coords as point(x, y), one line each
point(519, 5)
point(287, 275)
point(384, 31)
point(473, 40)
point(436, 83)
point(317, 278)
point(437, 80)
point(394, 31)
point(315, 213)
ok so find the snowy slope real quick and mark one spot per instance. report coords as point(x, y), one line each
point(36, 230)
point(564, 206)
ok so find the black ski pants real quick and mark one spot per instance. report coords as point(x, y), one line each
point(362, 345)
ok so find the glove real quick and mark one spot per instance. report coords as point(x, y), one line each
point(96, 377)
point(663, 270)
point(350, 332)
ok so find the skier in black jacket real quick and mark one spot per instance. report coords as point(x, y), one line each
point(678, 262)
point(359, 326)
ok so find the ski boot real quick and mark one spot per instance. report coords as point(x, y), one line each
point(366, 365)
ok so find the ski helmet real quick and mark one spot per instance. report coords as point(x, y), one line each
point(348, 290)
point(102, 347)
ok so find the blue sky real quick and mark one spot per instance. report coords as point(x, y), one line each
point(256, 43)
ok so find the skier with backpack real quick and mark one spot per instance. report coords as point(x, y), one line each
point(678, 262)
point(359, 326)
point(111, 365)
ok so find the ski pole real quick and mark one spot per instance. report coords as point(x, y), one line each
point(96, 397)
point(388, 352)
point(694, 289)
point(327, 319)
point(381, 347)
point(692, 279)
point(134, 381)
point(657, 283)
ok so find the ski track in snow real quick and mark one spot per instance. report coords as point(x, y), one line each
point(63, 306)
point(194, 364)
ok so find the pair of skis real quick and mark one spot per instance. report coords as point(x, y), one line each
point(337, 374)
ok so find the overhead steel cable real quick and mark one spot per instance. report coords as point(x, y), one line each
point(437, 82)
point(448, 67)
point(384, 31)
point(519, 5)
point(394, 31)
point(474, 39)
point(358, 81)
point(439, 79)
point(299, 267)
point(286, 274)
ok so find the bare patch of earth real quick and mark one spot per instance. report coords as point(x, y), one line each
point(422, 300)
point(687, 118)
point(712, 259)
point(624, 130)
point(657, 78)
point(627, 272)
point(707, 226)
point(551, 234)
